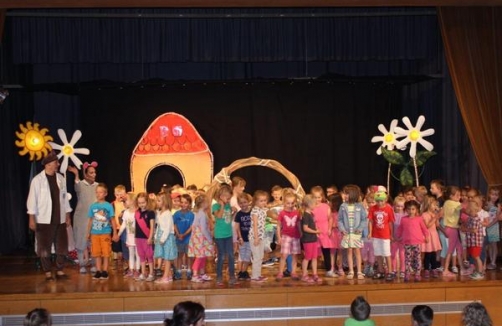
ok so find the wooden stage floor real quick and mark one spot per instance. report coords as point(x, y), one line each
point(24, 288)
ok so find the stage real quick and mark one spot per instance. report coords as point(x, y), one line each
point(80, 300)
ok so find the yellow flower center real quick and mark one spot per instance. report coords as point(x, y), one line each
point(415, 135)
point(67, 150)
point(389, 138)
point(34, 140)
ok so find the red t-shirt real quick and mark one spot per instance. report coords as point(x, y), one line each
point(290, 222)
point(380, 219)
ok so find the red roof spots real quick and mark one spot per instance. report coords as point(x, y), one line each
point(170, 133)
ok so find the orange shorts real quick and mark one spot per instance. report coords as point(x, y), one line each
point(101, 245)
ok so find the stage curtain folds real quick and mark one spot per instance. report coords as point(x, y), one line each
point(473, 48)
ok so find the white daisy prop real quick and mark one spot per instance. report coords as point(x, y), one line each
point(388, 138)
point(414, 135)
point(68, 151)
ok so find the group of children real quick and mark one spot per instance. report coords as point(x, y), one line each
point(177, 230)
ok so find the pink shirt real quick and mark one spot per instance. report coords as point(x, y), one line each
point(412, 231)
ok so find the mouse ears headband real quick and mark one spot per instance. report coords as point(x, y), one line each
point(94, 164)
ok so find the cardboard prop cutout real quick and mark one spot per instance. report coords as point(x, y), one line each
point(171, 140)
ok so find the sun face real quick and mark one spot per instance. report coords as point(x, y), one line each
point(33, 141)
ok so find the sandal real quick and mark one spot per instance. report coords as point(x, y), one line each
point(360, 276)
point(350, 275)
point(307, 279)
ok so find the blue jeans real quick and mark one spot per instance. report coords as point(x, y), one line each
point(225, 248)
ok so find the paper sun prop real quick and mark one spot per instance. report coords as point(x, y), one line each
point(33, 140)
point(414, 135)
point(388, 138)
point(68, 151)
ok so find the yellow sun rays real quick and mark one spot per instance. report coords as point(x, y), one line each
point(33, 140)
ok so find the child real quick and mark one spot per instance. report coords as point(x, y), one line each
point(412, 232)
point(324, 224)
point(352, 220)
point(257, 234)
point(222, 212)
point(118, 208)
point(492, 228)
point(183, 220)
point(396, 246)
point(451, 217)
point(381, 227)
point(422, 315)
point(129, 225)
point(99, 229)
point(238, 186)
point(335, 201)
point(367, 251)
point(429, 249)
point(309, 240)
point(145, 224)
point(475, 234)
point(201, 241)
point(437, 190)
point(360, 311)
point(288, 234)
point(275, 207)
point(242, 227)
point(165, 242)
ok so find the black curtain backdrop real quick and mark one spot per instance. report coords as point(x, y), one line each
point(321, 132)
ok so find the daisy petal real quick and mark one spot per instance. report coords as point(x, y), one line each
point(64, 165)
point(427, 145)
point(407, 123)
point(402, 143)
point(401, 132)
point(427, 132)
point(382, 129)
point(379, 151)
point(413, 149)
point(62, 136)
point(84, 151)
point(55, 146)
point(76, 161)
point(393, 125)
point(420, 122)
point(76, 136)
point(376, 139)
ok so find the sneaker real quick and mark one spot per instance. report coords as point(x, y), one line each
point(427, 274)
point(435, 273)
point(259, 279)
point(477, 276)
point(219, 282)
point(440, 269)
point(189, 274)
point(316, 278)
point(158, 272)
point(239, 276)
point(390, 277)
point(467, 271)
point(135, 274)
point(366, 269)
point(406, 277)
point(197, 279)
point(331, 274)
point(104, 275)
point(401, 275)
point(279, 277)
point(83, 270)
point(418, 278)
point(93, 269)
point(295, 277)
point(233, 281)
point(268, 263)
point(491, 267)
point(205, 277)
point(177, 275)
point(140, 278)
point(454, 270)
point(129, 274)
point(371, 272)
point(163, 280)
point(96, 275)
point(286, 273)
point(307, 279)
point(150, 278)
point(379, 276)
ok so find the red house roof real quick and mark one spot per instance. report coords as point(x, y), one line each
point(170, 133)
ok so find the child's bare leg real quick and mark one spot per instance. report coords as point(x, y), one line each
point(305, 264)
point(350, 260)
point(167, 268)
point(314, 266)
point(358, 260)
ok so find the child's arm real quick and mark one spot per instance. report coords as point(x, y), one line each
point(152, 228)
point(219, 213)
point(330, 223)
point(114, 229)
point(309, 230)
point(278, 231)
point(238, 232)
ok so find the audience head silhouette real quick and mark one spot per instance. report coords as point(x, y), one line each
point(187, 313)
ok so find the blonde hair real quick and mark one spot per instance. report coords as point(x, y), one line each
point(120, 187)
point(238, 181)
point(199, 200)
point(245, 196)
point(320, 190)
point(150, 205)
point(131, 196)
point(258, 194)
point(307, 201)
point(427, 203)
point(166, 200)
point(399, 199)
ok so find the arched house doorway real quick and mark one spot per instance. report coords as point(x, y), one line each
point(171, 140)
